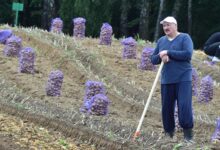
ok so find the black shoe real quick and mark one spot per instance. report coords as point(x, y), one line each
point(170, 134)
point(188, 134)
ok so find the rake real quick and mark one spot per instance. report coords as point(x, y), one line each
point(137, 133)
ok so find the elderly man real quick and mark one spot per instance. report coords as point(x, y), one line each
point(175, 50)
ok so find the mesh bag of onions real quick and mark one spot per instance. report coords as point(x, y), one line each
point(79, 27)
point(56, 25)
point(13, 46)
point(92, 88)
point(206, 89)
point(216, 135)
point(4, 35)
point(54, 83)
point(106, 34)
point(145, 63)
point(129, 50)
point(26, 60)
point(98, 105)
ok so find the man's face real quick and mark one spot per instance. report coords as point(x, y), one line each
point(169, 28)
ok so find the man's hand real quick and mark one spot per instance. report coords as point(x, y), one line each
point(165, 58)
point(163, 53)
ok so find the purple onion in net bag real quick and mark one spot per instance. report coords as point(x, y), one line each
point(105, 34)
point(26, 60)
point(195, 82)
point(98, 105)
point(92, 88)
point(206, 89)
point(56, 25)
point(4, 35)
point(129, 50)
point(54, 83)
point(13, 46)
point(145, 63)
point(216, 135)
point(79, 27)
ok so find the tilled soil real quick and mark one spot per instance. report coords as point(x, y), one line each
point(18, 134)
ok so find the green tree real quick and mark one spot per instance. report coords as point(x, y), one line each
point(205, 16)
point(125, 6)
point(144, 19)
point(95, 12)
point(6, 14)
point(67, 13)
point(31, 14)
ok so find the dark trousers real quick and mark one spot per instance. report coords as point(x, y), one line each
point(182, 92)
point(213, 49)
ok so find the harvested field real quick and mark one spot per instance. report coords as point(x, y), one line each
point(127, 88)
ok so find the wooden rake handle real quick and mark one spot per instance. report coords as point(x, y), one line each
point(137, 133)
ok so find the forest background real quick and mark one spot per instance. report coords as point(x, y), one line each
point(137, 18)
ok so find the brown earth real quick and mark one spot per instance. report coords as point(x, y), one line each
point(127, 86)
point(18, 134)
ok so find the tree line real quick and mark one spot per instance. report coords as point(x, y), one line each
point(137, 18)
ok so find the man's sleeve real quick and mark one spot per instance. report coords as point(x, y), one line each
point(155, 58)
